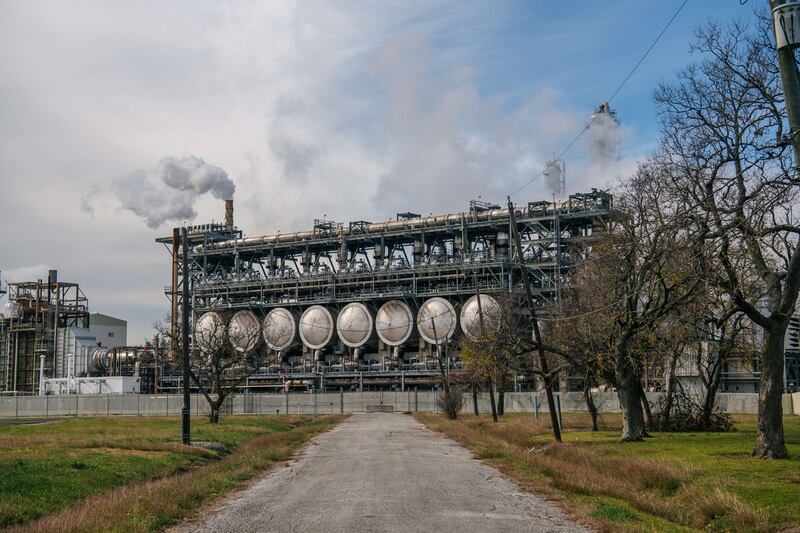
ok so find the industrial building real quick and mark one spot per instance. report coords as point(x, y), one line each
point(48, 343)
point(110, 332)
point(366, 304)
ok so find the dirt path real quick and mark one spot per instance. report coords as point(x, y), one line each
point(384, 472)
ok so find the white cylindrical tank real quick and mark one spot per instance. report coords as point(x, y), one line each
point(444, 319)
point(470, 319)
point(354, 325)
point(244, 330)
point(394, 322)
point(280, 329)
point(209, 332)
point(316, 327)
point(99, 360)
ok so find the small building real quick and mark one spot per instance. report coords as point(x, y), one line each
point(110, 332)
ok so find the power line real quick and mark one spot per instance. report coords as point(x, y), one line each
point(613, 95)
point(647, 285)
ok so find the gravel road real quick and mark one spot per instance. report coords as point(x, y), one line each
point(383, 472)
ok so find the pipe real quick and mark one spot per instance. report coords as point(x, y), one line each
point(229, 214)
point(377, 227)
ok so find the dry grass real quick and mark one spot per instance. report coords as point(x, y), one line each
point(606, 484)
point(156, 504)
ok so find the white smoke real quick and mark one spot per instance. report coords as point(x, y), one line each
point(169, 191)
point(604, 145)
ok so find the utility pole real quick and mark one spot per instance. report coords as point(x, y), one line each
point(787, 36)
point(491, 378)
point(185, 411)
point(537, 335)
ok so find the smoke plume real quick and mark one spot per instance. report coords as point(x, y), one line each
point(604, 144)
point(169, 191)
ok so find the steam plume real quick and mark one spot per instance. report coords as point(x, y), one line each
point(604, 144)
point(169, 191)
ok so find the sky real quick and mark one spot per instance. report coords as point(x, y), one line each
point(346, 110)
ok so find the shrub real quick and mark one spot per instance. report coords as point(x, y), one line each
point(450, 403)
point(686, 414)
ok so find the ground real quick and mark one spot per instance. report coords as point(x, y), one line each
point(670, 482)
point(132, 473)
point(384, 472)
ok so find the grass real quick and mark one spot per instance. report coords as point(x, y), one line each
point(670, 482)
point(130, 473)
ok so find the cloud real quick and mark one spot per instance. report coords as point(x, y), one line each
point(351, 109)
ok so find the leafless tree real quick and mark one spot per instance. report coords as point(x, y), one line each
point(725, 148)
point(634, 278)
point(223, 357)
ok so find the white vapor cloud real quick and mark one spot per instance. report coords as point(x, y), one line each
point(168, 192)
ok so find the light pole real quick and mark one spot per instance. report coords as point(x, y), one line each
point(185, 411)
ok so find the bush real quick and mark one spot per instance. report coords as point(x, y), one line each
point(687, 415)
point(450, 403)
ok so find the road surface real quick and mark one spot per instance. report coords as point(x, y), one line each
point(383, 472)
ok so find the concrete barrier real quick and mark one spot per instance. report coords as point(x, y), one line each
point(331, 403)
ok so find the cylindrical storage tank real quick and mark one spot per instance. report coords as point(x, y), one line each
point(99, 360)
point(394, 323)
point(354, 325)
point(280, 329)
point(244, 330)
point(209, 332)
point(316, 327)
point(444, 319)
point(470, 318)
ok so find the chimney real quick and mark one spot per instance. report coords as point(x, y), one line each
point(229, 213)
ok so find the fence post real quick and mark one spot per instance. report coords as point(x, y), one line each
point(77, 399)
point(46, 406)
point(314, 394)
point(536, 405)
point(341, 401)
point(16, 408)
point(287, 402)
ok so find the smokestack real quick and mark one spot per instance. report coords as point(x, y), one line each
point(229, 213)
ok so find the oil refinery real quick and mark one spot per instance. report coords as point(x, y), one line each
point(366, 304)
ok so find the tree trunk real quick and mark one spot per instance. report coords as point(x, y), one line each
point(630, 402)
point(501, 399)
point(711, 393)
point(213, 415)
point(769, 436)
point(475, 399)
point(587, 394)
point(491, 399)
point(670, 392)
point(646, 405)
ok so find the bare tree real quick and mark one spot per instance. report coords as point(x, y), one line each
point(224, 356)
point(229, 351)
point(636, 276)
point(726, 149)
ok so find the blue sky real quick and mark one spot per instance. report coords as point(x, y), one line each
point(348, 109)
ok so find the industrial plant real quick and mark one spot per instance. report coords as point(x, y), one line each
point(367, 304)
point(49, 344)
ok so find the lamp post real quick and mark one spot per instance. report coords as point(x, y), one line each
point(185, 411)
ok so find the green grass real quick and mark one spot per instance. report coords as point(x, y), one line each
point(672, 481)
point(48, 467)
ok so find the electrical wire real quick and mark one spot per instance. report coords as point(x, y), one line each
point(648, 285)
point(611, 98)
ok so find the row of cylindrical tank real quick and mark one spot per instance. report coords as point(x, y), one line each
point(394, 324)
